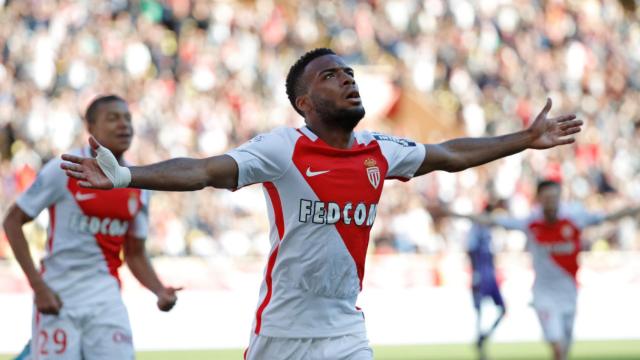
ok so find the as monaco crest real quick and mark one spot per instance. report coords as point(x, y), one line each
point(373, 172)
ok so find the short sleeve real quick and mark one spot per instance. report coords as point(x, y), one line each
point(264, 158)
point(404, 156)
point(47, 189)
point(584, 218)
point(140, 227)
point(511, 223)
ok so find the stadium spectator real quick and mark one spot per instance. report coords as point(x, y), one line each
point(218, 72)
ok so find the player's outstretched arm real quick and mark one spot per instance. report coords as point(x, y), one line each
point(460, 154)
point(615, 216)
point(482, 219)
point(179, 174)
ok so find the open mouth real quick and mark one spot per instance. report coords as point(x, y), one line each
point(353, 95)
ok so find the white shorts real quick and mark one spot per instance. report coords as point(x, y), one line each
point(99, 332)
point(346, 347)
point(557, 323)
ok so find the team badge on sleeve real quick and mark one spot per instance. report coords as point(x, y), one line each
point(373, 172)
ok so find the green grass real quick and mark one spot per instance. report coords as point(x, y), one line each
point(593, 350)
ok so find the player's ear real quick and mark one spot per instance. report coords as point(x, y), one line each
point(90, 126)
point(303, 103)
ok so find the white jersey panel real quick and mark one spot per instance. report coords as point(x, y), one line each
point(140, 226)
point(48, 188)
point(314, 278)
point(265, 157)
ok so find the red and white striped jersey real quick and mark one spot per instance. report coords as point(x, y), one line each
point(86, 231)
point(322, 203)
point(554, 248)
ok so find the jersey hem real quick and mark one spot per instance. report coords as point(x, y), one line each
point(275, 332)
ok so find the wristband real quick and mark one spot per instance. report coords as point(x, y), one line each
point(120, 176)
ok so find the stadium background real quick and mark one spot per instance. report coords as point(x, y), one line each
point(205, 76)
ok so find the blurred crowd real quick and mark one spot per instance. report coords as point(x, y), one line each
point(204, 76)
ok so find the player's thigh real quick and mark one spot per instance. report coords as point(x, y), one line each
point(568, 321)
point(493, 291)
point(55, 337)
point(551, 323)
point(273, 348)
point(107, 335)
point(477, 296)
point(346, 347)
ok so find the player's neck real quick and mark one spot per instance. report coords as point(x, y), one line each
point(551, 217)
point(335, 137)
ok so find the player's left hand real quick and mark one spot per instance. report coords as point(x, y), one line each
point(167, 298)
point(549, 132)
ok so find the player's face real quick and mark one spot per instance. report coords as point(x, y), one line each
point(112, 126)
point(549, 199)
point(333, 92)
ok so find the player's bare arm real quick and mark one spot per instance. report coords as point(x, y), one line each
point(46, 301)
point(482, 219)
point(460, 154)
point(617, 215)
point(180, 174)
point(138, 262)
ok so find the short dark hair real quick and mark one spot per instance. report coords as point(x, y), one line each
point(543, 184)
point(92, 110)
point(294, 86)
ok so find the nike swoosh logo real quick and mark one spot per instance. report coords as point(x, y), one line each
point(84, 196)
point(315, 173)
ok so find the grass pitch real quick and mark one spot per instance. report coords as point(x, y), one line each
point(592, 350)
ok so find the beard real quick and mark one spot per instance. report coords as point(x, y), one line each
point(345, 119)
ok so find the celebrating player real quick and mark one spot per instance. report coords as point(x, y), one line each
point(322, 184)
point(554, 238)
point(78, 312)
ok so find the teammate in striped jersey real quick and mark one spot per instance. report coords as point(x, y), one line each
point(322, 183)
point(78, 311)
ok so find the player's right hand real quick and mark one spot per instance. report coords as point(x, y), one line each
point(46, 300)
point(167, 298)
point(103, 172)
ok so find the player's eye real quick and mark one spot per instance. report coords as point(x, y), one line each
point(329, 76)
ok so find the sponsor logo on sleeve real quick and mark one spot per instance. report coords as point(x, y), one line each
point(397, 140)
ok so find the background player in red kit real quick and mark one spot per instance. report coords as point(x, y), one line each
point(322, 183)
point(78, 312)
point(554, 239)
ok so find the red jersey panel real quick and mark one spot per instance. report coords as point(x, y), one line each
point(322, 202)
